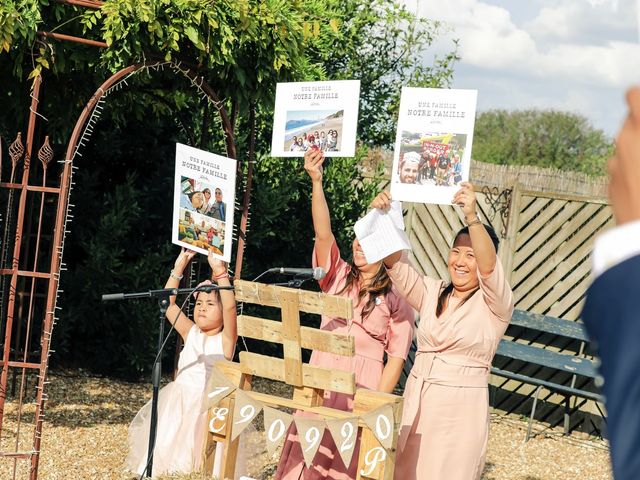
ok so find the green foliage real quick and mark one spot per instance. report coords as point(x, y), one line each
point(541, 138)
point(19, 20)
point(281, 227)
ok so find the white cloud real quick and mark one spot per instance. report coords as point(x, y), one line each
point(584, 21)
point(559, 42)
point(616, 64)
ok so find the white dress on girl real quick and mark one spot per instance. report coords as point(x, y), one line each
point(181, 424)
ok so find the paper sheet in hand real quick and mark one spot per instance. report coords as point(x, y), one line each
point(382, 233)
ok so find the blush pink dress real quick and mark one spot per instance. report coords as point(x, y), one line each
point(388, 329)
point(445, 423)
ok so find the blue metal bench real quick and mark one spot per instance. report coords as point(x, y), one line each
point(581, 370)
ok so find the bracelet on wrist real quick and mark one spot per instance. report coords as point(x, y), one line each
point(475, 221)
point(175, 276)
point(222, 275)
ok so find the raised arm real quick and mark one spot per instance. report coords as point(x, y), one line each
point(174, 314)
point(228, 299)
point(313, 159)
point(481, 242)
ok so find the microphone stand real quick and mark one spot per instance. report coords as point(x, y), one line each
point(163, 304)
point(294, 283)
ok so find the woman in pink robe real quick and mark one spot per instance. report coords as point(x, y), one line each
point(382, 325)
point(445, 422)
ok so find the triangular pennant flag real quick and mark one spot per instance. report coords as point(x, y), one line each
point(310, 433)
point(276, 426)
point(218, 387)
point(345, 435)
point(381, 423)
point(244, 411)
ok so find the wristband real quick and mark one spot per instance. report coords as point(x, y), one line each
point(177, 277)
point(477, 221)
point(222, 275)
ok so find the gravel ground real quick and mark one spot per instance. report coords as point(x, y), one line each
point(85, 437)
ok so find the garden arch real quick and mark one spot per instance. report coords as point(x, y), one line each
point(30, 276)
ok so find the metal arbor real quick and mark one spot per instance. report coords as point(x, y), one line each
point(34, 225)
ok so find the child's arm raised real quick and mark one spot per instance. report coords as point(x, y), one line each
point(229, 312)
point(174, 314)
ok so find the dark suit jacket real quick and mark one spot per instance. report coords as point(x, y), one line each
point(612, 317)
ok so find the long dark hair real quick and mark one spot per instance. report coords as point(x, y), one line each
point(380, 285)
point(449, 288)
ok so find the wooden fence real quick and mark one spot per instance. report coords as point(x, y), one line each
point(547, 221)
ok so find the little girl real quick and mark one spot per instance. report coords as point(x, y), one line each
point(181, 426)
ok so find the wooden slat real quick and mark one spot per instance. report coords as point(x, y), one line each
point(565, 288)
point(568, 196)
point(535, 241)
point(443, 229)
point(557, 270)
point(569, 247)
point(556, 263)
point(310, 338)
point(547, 222)
point(546, 358)
point(526, 201)
point(291, 338)
point(316, 377)
point(325, 412)
point(310, 302)
point(437, 229)
point(543, 228)
point(435, 253)
point(452, 215)
point(553, 242)
point(545, 323)
point(534, 209)
point(307, 396)
point(569, 228)
point(576, 310)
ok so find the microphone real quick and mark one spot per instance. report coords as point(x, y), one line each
point(316, 273)
point(112, 296)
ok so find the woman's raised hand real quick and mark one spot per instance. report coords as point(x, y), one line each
point(382, 200)
point(183, 260)
point(218, 267)
point(313, 159)
point(465, 198)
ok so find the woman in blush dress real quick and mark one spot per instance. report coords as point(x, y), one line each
point(445, 422)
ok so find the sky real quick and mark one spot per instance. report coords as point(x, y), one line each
point(571, 55)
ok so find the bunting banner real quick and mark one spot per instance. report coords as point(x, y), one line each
point(310, 432)
point(345, 435)
point(276, 426)
point(245, 410)
point(380, 421)
point(219, 388)
point(344, 431)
